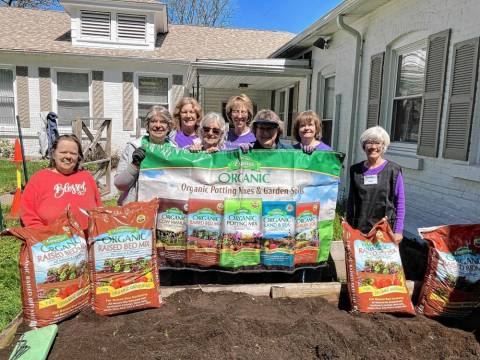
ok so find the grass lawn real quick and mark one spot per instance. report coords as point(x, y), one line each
point(10, 301)
point(8, 177)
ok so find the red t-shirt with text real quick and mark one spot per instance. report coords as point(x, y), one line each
point(48, 193)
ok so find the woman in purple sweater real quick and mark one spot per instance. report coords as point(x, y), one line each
point(376, 186)
point(239, 110)
point(187, 116)
point(307, 129)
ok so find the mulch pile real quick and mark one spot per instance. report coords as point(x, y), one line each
point(226, 325)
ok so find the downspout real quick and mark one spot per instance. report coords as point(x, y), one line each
point(356, 81)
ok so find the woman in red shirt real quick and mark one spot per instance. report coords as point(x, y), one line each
point(51, 190)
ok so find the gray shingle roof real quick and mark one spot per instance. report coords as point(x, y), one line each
point(45, 31)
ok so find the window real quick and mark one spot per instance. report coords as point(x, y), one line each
point(72, 97)
point(281, 105)
point(151, 91)
point(131, 27)
point(95, 24)
point(328, 109)
point(407, 102)
point(7, 101)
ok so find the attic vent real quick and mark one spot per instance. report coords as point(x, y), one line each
point(94, 23)
point(131, 27)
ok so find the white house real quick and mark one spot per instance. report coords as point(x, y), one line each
point(115, 58)
point(412, 67)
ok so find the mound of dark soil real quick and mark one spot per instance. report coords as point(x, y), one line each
point(226, 325)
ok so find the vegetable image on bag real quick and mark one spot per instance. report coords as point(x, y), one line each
point(53, 270)
point(122, 258)
point(451, 287)
point(172, 233)
point(242, 233)
point(376, 280)
point(306, 233)
point(204, 231)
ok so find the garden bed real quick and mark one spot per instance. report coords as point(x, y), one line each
point(228, 325)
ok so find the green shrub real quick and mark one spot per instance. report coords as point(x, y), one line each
point(6, 149)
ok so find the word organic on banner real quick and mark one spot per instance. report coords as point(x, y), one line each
point(264, 210)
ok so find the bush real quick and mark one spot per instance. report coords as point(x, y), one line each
point(6, 149)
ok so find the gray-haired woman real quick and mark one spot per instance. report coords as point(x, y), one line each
point(212, 134)
point(376, 186)
point(158, 125)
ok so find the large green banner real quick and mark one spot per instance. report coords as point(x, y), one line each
point(264, 210)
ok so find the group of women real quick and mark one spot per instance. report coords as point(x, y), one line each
point(376, 186)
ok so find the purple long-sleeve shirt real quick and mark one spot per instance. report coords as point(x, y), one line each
point(320, 146)
point(399, 195)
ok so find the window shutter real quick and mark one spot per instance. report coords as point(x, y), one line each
point(95, 23)
point(435, 71)
point(131, 27)
point(97, 96)
point(45, 89)
point(23, 97)
point(462, 99)
point(375, 89)
point(127, 100)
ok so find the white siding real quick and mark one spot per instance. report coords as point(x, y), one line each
point(441, 191)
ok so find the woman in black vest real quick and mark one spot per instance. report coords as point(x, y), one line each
point(376, 186)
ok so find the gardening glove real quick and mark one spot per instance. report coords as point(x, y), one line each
point(308, 149)
point(138, 156)
point(245, 147)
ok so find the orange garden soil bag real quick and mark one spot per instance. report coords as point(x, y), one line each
point(122, 258)
point(451, 287)
point(53, 270)
point(376, 281)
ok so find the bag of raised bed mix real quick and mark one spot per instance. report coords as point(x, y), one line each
point(204, 222)
point(53, 270)
point(172, 233)
point(376, 281)
point(451, 287)
point(241, 233)
point(123, 263)
point(306, 233)
point(278, 218)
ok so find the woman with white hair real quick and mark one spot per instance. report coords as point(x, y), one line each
point(376, 186)
point(212, 133)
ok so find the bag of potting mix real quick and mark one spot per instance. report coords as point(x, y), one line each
point(204, 231)
point(123, 264)
point(172, 233)
point(376, 281)
point(242, 233)
point(451, 287)
point(306, 233)
point(53, 270)
point(278, 219)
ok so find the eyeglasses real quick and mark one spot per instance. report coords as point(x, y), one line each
point(372, 142)
point(215, 131)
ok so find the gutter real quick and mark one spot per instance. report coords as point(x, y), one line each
point(356, 85)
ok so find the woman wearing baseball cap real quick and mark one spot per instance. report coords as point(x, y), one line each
point(268, 128)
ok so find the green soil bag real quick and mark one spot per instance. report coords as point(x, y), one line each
point(35, 344)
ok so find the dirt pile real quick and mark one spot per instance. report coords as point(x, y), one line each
point(225, 325)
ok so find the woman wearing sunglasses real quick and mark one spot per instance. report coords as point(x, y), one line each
point(212, 133)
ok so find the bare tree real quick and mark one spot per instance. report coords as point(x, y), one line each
point(30, 4)
point(200, 12)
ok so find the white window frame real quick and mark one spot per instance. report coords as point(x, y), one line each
point(320, 100)
point(13, 127)
point(285, 108)
point(66, 128)
point(391, 75)
point(148, 74)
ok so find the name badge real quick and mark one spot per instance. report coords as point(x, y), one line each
point(370, 180)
